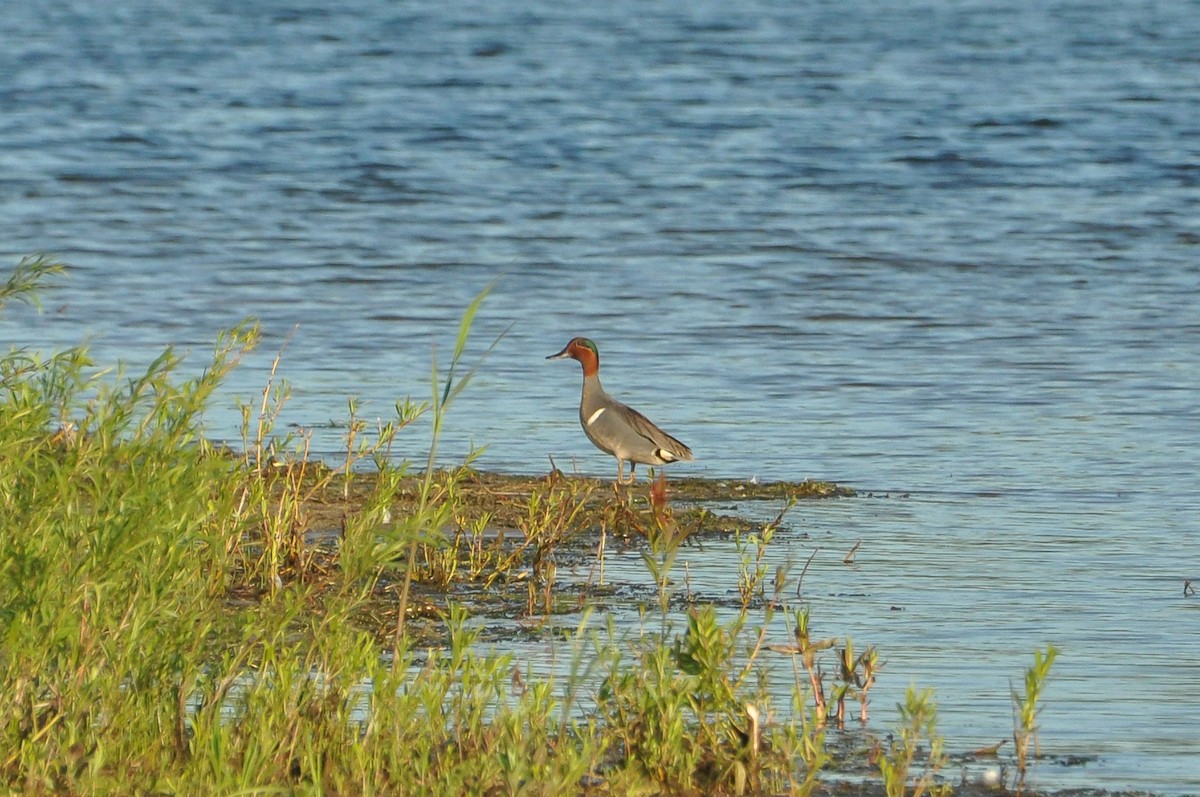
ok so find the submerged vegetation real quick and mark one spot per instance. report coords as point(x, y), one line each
point(182, 619)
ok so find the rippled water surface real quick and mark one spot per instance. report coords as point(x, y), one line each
point(946, 253)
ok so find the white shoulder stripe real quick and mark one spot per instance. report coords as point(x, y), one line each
point(595, 415)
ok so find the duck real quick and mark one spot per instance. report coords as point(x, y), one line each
point(613, 427)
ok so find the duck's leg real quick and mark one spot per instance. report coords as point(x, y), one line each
point(620, 471)
point(632, 476)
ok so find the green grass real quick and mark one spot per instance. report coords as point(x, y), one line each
point(165, 628)
point(900, 763)
point(1025, 711)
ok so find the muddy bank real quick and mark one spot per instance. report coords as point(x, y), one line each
point(501, 541)
point(505, 498)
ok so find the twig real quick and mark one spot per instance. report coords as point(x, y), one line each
point(800, 581)
point(849, 560)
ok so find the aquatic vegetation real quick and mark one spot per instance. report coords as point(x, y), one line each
point(856, 676)
point(1025, 710)
point(917, 726)
point(694, 712)
point(180, 618)
point(116, 560)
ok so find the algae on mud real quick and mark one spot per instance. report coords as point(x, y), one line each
point(501, 528)
point(503, 497)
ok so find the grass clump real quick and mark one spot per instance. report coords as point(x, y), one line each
point(917, 727)
point(1026, 708)
point(113, 564)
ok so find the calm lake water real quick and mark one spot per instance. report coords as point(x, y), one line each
point(947, 253)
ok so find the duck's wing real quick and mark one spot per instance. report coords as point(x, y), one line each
point(666, 447)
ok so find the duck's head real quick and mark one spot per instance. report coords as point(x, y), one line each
point(583, 350)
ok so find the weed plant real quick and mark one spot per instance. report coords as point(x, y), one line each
point(1026, 708)
point(917, 727)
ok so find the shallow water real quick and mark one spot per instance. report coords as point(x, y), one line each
point(944, 252)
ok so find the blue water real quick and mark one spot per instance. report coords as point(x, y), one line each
point(946, 250)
